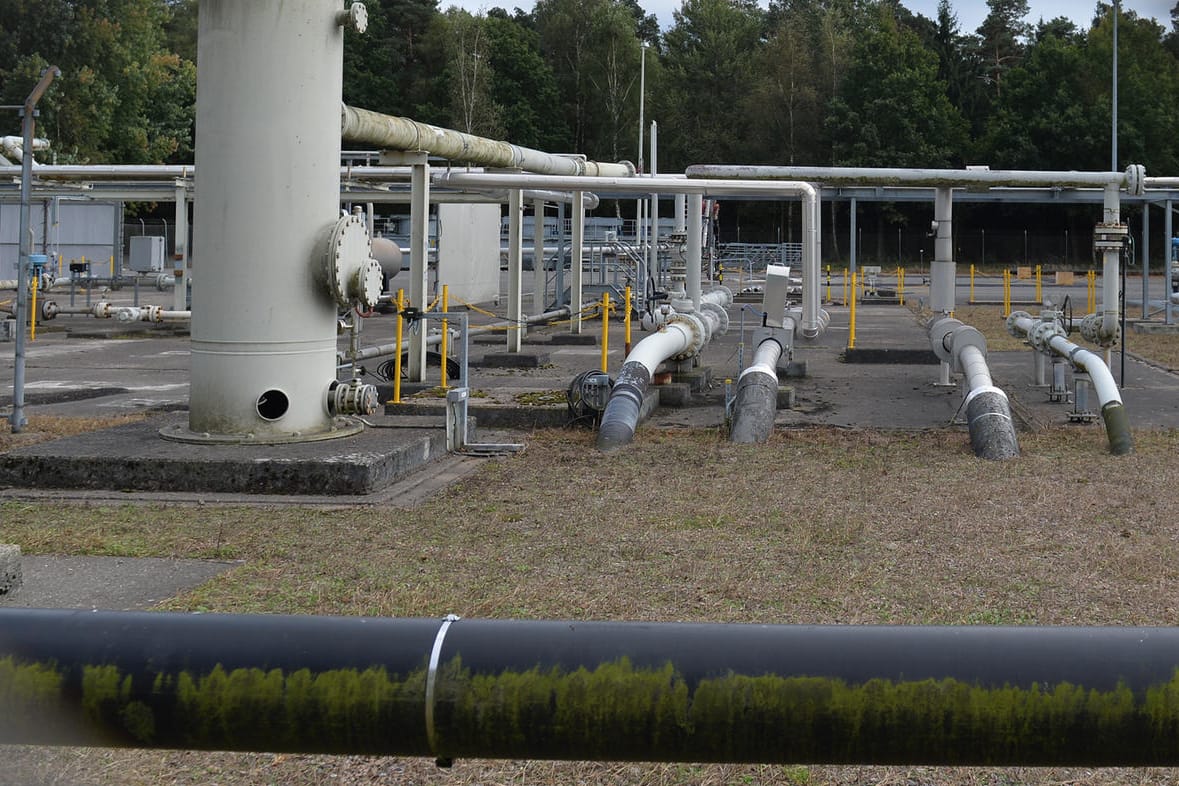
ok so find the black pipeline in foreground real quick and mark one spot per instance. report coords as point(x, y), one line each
point(604, 691)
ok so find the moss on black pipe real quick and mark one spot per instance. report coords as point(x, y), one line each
point(613, 711)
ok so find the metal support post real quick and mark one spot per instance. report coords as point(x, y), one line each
point(515, 269)
point(575, 277)
point(180, 257)
point(1146, 260)
point(28, 112)
point(419, 251)
point(539, 275)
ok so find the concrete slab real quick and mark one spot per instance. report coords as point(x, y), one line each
point(114, 583)
point(134, 457)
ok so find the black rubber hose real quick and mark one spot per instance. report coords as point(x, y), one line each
point(621, 417)
point(992, 429)
point(1117, 428)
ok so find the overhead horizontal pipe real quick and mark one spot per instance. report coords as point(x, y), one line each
point(389, 132)
point(592, 691)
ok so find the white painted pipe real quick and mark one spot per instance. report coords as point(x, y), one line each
point(844, 176)
point(1113, 411)
point(811, 322)
point(1110, 272)
point(681, 337)
point(942, 273)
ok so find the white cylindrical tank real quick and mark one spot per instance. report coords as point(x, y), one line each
point(267, 197)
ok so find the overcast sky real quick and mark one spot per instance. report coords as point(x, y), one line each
point(970, 12)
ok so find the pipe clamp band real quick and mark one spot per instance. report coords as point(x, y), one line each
point(984, 389)
point(431, 679)
point(981, 415)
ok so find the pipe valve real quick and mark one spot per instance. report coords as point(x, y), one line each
point(352, 398)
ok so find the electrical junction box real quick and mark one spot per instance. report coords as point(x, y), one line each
point(147, 254)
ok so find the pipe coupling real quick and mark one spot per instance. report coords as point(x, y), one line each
point(352, 398)
point(698, 331)
point(1042, 334)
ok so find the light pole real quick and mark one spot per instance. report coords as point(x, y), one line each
point(1113, 160)
point(642, 99)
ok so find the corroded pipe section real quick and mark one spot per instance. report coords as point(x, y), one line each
point(401, 133)
point(592, 691)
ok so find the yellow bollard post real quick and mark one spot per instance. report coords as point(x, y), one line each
point(851, 325)
point(1039, 285)
point(626, 322)
point(442, 346)
point(845, 286)
point(971, 285)
point(605, 330)
point(901, 285)
point(1006, 293)
point(33, 311)
point(59, 265)
point(112, 267)
point(397, 348)
point(828, 283)
point(1091, 277)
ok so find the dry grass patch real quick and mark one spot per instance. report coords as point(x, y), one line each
point(818, 526)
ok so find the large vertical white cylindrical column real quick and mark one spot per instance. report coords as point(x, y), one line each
point(267, 198)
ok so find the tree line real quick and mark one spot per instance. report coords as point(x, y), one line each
point(807, 82)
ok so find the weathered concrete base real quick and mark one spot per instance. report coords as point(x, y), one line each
point(675, 394)
point(503, 416)
point(134, 457)
point(10, 572)
point(786, 397)
point(1155, 328)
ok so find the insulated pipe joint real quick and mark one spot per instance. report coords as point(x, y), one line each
point(941, 338)
point(721, 316)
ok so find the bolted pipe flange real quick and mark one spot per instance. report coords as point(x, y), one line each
point(722, 317)
point(1091, 330)
point(1042, 333)
point(348, 265)
point(697, 328)
point(940, 337)
point(966, 336)
point(355, 17)
point(1135, 180)
point(1012, 320)
point(49, 310)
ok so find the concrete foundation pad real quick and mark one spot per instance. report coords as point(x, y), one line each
point(135, 457)
point(786, 397)
point(10, 569)
point(675, 394)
